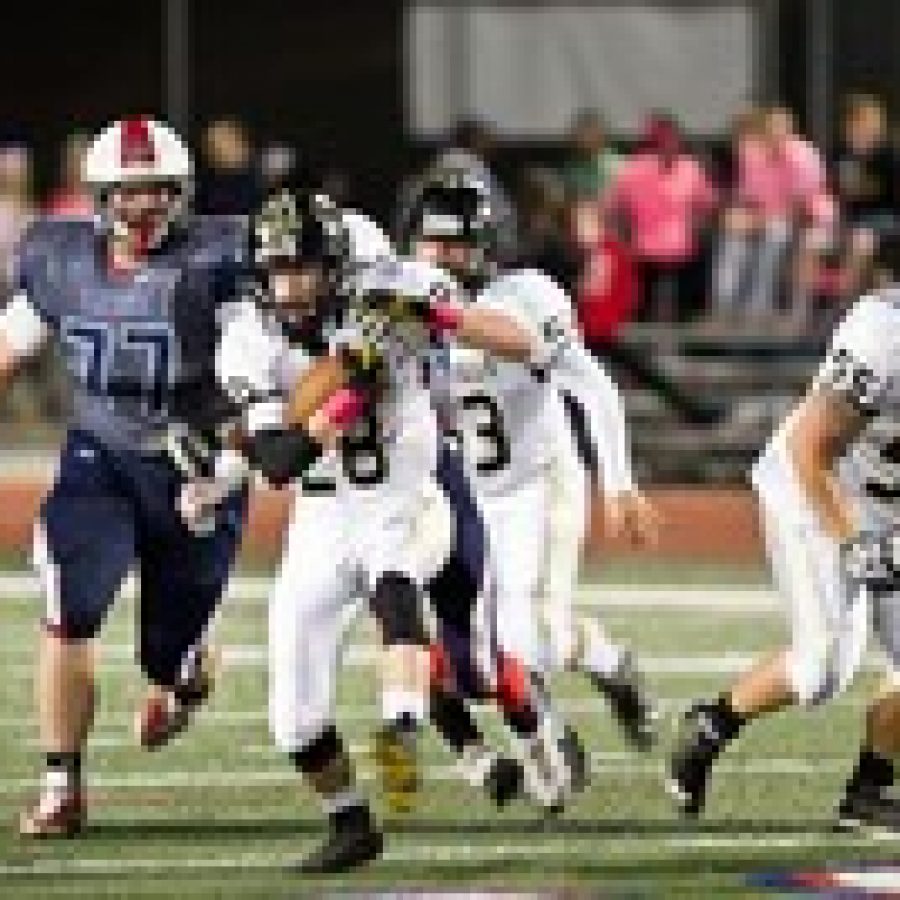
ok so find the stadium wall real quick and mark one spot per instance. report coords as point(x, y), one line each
point(704, 525)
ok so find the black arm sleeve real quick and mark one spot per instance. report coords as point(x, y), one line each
point(282, 455)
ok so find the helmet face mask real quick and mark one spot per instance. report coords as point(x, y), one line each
point(297, 291)
point(143, 213)
point(463, 259)
point(142, 174)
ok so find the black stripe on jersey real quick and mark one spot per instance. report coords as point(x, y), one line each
point(853, 380)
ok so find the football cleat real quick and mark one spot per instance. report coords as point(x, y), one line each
point(353, 841)
point(54, 816)
point(691, 763)
point(396, 757)
point(165, 714)
point(631, 706)
point(548, 777)
point(504, 780)
point(869, 812)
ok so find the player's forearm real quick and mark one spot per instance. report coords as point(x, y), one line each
point(496, 332)
point(325, 378)
point(482, 328)
point(605, 414)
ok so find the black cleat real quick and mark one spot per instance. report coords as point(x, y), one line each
point(631, 706)
point(576, 759)
point(869, 812)
point(504, 781)
point(691, 763)
point(353, 841)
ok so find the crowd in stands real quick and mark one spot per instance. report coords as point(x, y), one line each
point(765, 232)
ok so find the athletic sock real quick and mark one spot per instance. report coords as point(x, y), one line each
point(354, 816)
point(62, 772)
point(403, 709)
point(871, 775)
point(725, 720)
point(601, 658)
point(475, 764)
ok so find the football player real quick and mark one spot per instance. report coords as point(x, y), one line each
point(131, 300)
point(370, 517)
point(828, 485)
point(508, 414)
point(368, 520)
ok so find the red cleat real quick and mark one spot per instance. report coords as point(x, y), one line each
point(62, 816)
point(165, 714)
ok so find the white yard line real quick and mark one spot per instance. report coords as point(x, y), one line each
point(601, 764)
point(751, 599)
point(601, 847)
point(113, 727)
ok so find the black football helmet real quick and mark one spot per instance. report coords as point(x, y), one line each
point(293, 234)
point(455, 206)
point(297, 229)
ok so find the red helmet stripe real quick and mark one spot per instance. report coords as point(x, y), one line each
point(137, 147)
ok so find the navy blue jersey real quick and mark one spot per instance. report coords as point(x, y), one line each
point(139, 349)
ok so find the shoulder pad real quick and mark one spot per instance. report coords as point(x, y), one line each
point(367, 239)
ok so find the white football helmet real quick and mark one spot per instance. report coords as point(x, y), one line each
point(134, 150)
point(139, 152)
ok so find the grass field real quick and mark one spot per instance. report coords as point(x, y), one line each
point(218, 814)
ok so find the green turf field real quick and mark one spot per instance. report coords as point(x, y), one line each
point(218, 814)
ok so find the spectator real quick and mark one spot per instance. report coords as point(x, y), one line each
point(71, 198)
point(230, 182)
point(544, 238)
point(606, 297)
point(864, 174)
point(471, 149)
point(606, 291)
point(662, 195)
point(16, 209)
point(591, 165)
point(779, 197)
point(277, 166)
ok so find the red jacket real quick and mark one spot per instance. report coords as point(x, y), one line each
point(607, 291)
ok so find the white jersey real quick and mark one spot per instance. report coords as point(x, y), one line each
point(863, 366)
point(508, 416)
point(393, 450)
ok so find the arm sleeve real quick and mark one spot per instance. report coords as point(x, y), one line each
point(22, 326)
point(859, 365)
point(580, 374)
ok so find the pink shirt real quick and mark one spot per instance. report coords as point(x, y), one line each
point(781, 185)
point(661, 204)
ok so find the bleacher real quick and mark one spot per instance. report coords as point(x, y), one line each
point(751, 376)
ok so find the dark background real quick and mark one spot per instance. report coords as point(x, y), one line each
point(326, 76)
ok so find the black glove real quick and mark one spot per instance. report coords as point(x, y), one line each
point(282, 455)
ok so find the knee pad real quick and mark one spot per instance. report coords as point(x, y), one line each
point(396, 604)
point(320, 752)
